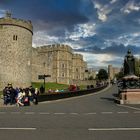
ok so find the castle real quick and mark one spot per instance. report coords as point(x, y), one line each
point(15, 51)
point(21, 63)
point(59, 61)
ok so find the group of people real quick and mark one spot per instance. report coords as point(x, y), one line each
point(20, 96)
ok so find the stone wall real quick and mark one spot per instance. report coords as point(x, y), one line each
point(58, 61)
point(15, 52)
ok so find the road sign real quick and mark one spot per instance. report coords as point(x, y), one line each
point(43, 76)
point(40, 76)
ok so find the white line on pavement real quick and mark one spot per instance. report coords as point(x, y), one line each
point(129, 107)
point(9, 128)
point(15, 112)
point(122, 112)
point(92, 113)
point(44, 113)
point(114, 129)
point(137, 112)
point(59, 113)
point(29, 113)
point(73, 113)
point(106, 112)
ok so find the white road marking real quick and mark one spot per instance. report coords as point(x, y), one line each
point(135, 108)
point(59, 113)
point(73, 113)
point(29, 113)
point(106, 112)
point(9, 128)
point(137, 112)
point(122, 112)
point(92, 113)
point(44, 113)
point(15, 112)
point(114, 129)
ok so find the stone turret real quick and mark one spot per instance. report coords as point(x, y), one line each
point(8, 20)
point(15, 51)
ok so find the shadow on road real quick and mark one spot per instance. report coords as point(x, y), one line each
point(113, 99)
point(106, 98)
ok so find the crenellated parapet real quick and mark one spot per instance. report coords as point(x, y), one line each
point(16, 41)
point(55, 47)
point(8, 20)
point(77, 56)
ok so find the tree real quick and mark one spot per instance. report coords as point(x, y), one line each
point(102, 75)
point(119, 75)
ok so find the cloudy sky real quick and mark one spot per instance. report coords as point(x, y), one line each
point(101, 30)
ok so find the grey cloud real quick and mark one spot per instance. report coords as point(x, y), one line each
point(116, 50)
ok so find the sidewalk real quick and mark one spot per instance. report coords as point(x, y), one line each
point(2, 105)
point(1, 102)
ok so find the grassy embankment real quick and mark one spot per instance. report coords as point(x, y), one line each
point(54, 86)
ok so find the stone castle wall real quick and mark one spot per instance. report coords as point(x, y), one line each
point(21, 64)
point(15, 52)
point(59, 61)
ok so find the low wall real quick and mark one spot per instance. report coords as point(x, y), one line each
point(68, 94)
point(84, 82)
point(130, 96)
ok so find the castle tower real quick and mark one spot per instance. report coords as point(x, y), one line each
point(15, 51)
point(110, 72)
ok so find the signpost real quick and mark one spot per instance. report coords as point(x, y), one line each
point(43, 77)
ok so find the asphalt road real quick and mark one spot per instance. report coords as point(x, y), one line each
point(90, 117)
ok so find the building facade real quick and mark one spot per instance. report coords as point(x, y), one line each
point(112, 71)
point(21, 63)
point(15, 51)
point(59, 61)
point(90, 74)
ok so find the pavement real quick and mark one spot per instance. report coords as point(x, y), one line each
point(2, 105)
point(1, 102)
point(90, 117)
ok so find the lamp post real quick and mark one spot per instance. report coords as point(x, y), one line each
point(44, 75)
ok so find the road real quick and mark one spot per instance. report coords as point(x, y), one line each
point(90, 117)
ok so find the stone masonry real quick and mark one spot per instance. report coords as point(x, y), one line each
point(21, 63)
point(59, 61)
point(15, 51)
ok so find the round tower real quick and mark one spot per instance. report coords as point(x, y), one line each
point(15, 51)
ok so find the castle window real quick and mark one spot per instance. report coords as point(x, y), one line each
point(14, 37)
point(63, 75)
point(63, 65)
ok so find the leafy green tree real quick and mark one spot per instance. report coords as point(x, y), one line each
point(102, 74)
point(119, 75)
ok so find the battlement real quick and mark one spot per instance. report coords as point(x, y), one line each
point(55, 47)
point(8, 20)
point(77, 56)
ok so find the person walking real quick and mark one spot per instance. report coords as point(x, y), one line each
point(35, 96)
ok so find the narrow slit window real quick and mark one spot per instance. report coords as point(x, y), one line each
point(15, 37)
